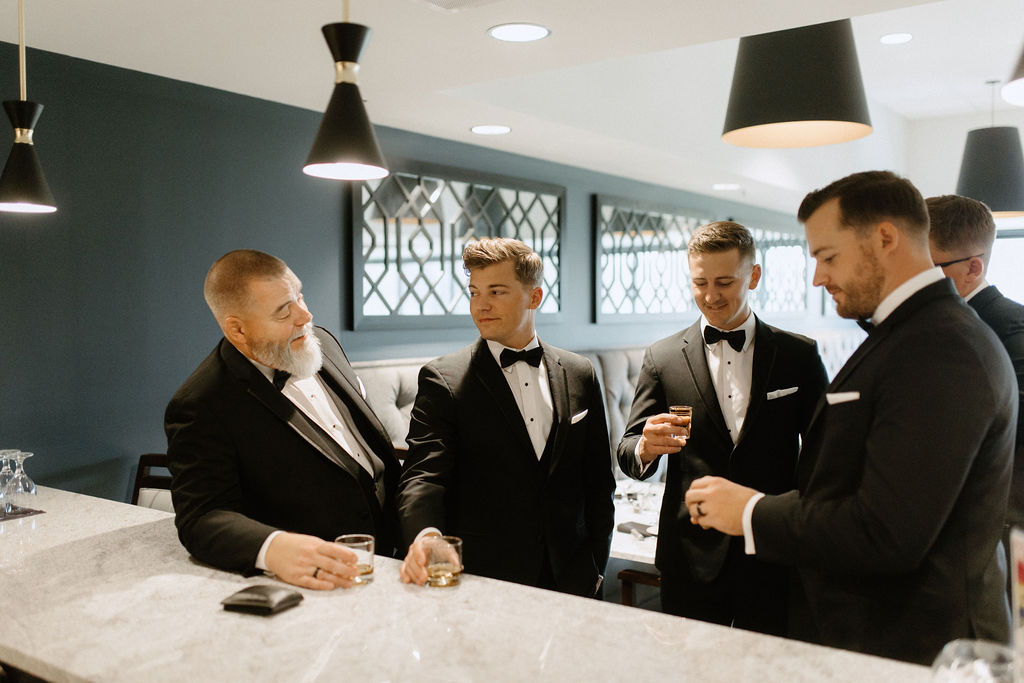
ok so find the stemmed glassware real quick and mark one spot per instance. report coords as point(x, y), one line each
point(21, 487)
point(6, 477)
point(16, 487)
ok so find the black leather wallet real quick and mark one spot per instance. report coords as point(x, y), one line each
point(262, 599)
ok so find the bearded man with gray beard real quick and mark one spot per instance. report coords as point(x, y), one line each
point(272, 447)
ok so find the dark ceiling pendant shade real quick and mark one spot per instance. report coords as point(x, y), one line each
point(992, 170)
point(346, 147)
point(799, 87)
point(23, 187)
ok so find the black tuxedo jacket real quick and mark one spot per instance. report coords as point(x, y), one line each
point(245, 462)
point(1006, 318)
point(903, 482)
point(472, 471)
point(788, 379)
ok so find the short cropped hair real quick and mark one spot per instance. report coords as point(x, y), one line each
point(870, 197)
point(721, 236)
point(226, 288)
point(490, 251)
point(961, 224)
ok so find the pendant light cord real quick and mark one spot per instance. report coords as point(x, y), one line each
point(992, 108)
point(21, 47)
point(344, 12)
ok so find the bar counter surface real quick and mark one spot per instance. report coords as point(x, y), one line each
point(95, 590)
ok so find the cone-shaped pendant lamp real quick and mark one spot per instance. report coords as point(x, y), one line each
point(23, 187)
point(992, 170)
point(797, 88)
point(346, 147)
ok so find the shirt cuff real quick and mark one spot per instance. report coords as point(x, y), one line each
point(748, 524)
point(643, 465)
point(261, 557)
point(426, 532)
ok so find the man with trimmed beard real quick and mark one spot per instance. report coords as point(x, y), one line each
point(894, 527)
point(272, 448)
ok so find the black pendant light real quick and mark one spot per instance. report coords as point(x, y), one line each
point(23, 187)
point(346, 147)
point(799, 87)
point(992, 170)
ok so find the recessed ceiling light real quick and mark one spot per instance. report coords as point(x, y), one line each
point(895, 38)
point(491, 129)
point(726, 187)
point(518, 33)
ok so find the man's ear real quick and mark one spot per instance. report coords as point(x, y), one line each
point(975, 271)
point(234, 330)
point(888, 236)
point(536, 296)
point(755, 276)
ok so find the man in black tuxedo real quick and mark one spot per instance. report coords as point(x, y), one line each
point(752, 388)
point(962, 237)
point(272, 448)
point(902, 481)
point(508, 445)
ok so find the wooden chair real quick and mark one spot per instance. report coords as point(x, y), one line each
point(146, 479)
point(631, 577)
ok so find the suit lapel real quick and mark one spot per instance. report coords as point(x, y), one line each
point(346, 386)
point(490, 375)
point(559, 385)
point(700, 376)
point(764, 360)
point(265, 392)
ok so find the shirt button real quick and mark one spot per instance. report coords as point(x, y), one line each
point(531, 419)
point(526, 383)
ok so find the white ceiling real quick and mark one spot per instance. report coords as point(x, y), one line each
point(636, 89)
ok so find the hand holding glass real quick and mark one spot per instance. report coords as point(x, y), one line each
point(683, 411)
point(362, 546)
point(444, 560)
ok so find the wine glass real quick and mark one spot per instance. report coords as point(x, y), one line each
point(6, 477)
point(21, 487)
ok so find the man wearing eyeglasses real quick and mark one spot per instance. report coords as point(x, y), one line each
point(961, 239)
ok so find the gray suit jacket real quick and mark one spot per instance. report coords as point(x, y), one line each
point(675, 371)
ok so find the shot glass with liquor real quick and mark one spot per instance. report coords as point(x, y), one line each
point(362, 546)
point(683, 411)
point(444, 560)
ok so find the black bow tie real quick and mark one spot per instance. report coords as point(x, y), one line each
point(865, 325)
point(533, 356)
point(736, 338)
point(280, 377)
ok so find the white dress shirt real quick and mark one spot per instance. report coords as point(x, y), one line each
point(731, 373)
point(889, 304)
point(532, 392)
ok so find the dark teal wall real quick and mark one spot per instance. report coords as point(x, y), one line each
point(101, 313)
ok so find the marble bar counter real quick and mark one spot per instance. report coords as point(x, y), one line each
point(95, 590)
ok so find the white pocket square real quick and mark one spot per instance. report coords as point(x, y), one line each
point(772, 395)
point(842, 397)
point(362, 389)
point(579, 416)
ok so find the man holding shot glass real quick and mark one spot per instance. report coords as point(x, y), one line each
point(508, 445)
point(729, 394)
